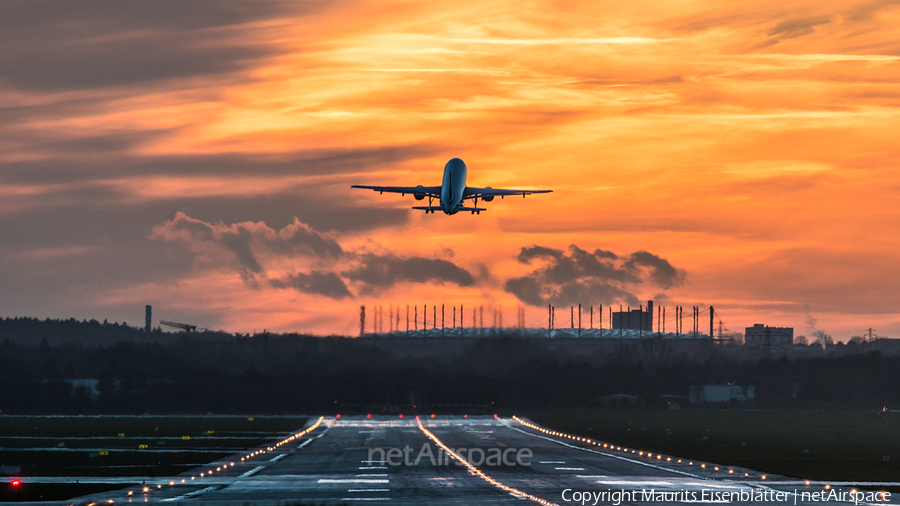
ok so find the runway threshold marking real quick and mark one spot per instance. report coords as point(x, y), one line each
point(474, 470)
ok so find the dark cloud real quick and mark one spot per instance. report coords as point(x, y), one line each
point(582, 277)
point(661, 272)
point(865, 12)
point(248, 246)
point(246, 240)
point(50, 45)
point(326, 284)
point(386, 270)
point(793, 28)
point(306, 162)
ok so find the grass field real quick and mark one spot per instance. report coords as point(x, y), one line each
point(819, 445)
point(122, 446)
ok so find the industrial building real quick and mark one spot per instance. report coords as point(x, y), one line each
point(762, 335)
point(634, 319)
point(702, 394)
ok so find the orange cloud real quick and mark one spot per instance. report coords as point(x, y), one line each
point(752, 145)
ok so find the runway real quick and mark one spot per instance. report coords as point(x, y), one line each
point(394, 461)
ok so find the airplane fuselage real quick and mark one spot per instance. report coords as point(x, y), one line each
point(453, 185)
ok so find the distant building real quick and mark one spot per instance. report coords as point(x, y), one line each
point(635, 319)
point(702, 394)
point(761, 335)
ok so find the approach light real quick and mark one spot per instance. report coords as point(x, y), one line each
point(16, 483)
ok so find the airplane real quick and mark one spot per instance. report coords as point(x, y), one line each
point(452, 192)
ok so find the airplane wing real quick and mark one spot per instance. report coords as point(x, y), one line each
point(489, 193)
point(425, 191)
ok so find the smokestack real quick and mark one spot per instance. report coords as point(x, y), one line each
point(649, 315)
point(362, 320)
point(712, 312)
point(148, 318)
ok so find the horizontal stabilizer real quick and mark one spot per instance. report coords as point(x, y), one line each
point(429, 208)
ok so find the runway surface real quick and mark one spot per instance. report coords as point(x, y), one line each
point(394, 461)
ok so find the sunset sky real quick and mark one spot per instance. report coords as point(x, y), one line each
point(198, 157)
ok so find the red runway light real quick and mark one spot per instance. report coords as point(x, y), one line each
point(369, 415)
point(401, 415)
point(338, 415)
point(16, 483)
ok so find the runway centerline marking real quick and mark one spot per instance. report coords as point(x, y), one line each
point(351, 480)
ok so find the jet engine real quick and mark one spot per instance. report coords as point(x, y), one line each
point(487, 198)
point(419, 195)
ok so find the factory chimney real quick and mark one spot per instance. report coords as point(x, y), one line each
point(362, 320)
point(148, 313)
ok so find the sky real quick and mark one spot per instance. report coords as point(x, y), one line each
point(198, 157)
